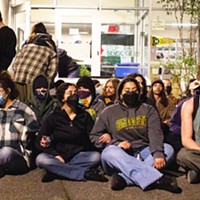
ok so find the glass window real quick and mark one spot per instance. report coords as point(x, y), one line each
point(85, 3)
point(43, 2)
point(122, 43)
point(118, 3)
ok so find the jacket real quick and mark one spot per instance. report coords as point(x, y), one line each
point(139, 126)
point(68, 137)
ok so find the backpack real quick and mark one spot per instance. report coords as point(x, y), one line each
point(66, 64)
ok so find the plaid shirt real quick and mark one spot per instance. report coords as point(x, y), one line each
point(17, 125)
point(33, 60)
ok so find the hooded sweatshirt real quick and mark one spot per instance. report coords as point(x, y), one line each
point(139, 126)
point(42, 108)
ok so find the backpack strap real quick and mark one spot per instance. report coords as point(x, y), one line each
point(196, 106)
point(195, 115)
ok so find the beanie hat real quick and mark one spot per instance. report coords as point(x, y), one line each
point(87, 82)
point(40, 81)
point(158, 81)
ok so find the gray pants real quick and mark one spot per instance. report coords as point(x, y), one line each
point(189, 159)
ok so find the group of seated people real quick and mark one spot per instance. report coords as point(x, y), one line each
point(124, 132)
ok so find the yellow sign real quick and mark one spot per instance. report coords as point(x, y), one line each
point(160, 41)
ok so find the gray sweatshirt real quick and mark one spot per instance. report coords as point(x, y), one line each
point(139, 126)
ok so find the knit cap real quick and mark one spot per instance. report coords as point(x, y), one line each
point(87, 82)
point(39, 82)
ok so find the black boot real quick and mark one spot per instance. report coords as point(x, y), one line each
point(166, 183)
point(193, 176)
point(48, 177)
point(94, 174)
point(118, 183)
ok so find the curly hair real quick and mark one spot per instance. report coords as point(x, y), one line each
point(114, 81)
point(7, 83)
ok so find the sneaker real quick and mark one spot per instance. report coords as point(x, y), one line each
point(166, 183)
point(95, 175)
point(118, 183)
point(193, 176)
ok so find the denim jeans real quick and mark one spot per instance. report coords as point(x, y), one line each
point(12, 161)
point(74, 169)
point(135, 172)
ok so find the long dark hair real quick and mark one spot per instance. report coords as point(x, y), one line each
point(121, 86)
point(163, 98)
point(144, 82)
point(7, 83)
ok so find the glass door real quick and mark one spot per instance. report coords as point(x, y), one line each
point(77, 32)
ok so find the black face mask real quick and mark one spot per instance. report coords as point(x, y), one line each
point(131, 99)
point(72, 102)
point(168, 89)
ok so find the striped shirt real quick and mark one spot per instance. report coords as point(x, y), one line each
point(33, 60)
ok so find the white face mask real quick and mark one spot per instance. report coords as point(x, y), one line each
point(98, 90)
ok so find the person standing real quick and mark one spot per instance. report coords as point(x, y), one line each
point(8, 42)
point(37, 56)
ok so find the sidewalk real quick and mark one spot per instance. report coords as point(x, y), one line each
point(30, 187)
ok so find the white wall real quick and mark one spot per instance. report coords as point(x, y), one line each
point(4, 8)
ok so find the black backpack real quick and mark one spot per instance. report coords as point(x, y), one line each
point(66, 64)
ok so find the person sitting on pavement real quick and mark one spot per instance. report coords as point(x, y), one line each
point(108, 95)
point(87, 97)
point(189, 156)
point(98, 86)
point(164, 105)
point(67, 151)
point(42, 103)
point(18, 126)
point(130, 134)
point(143, 85)
point(175, 122)
point(168, 91)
